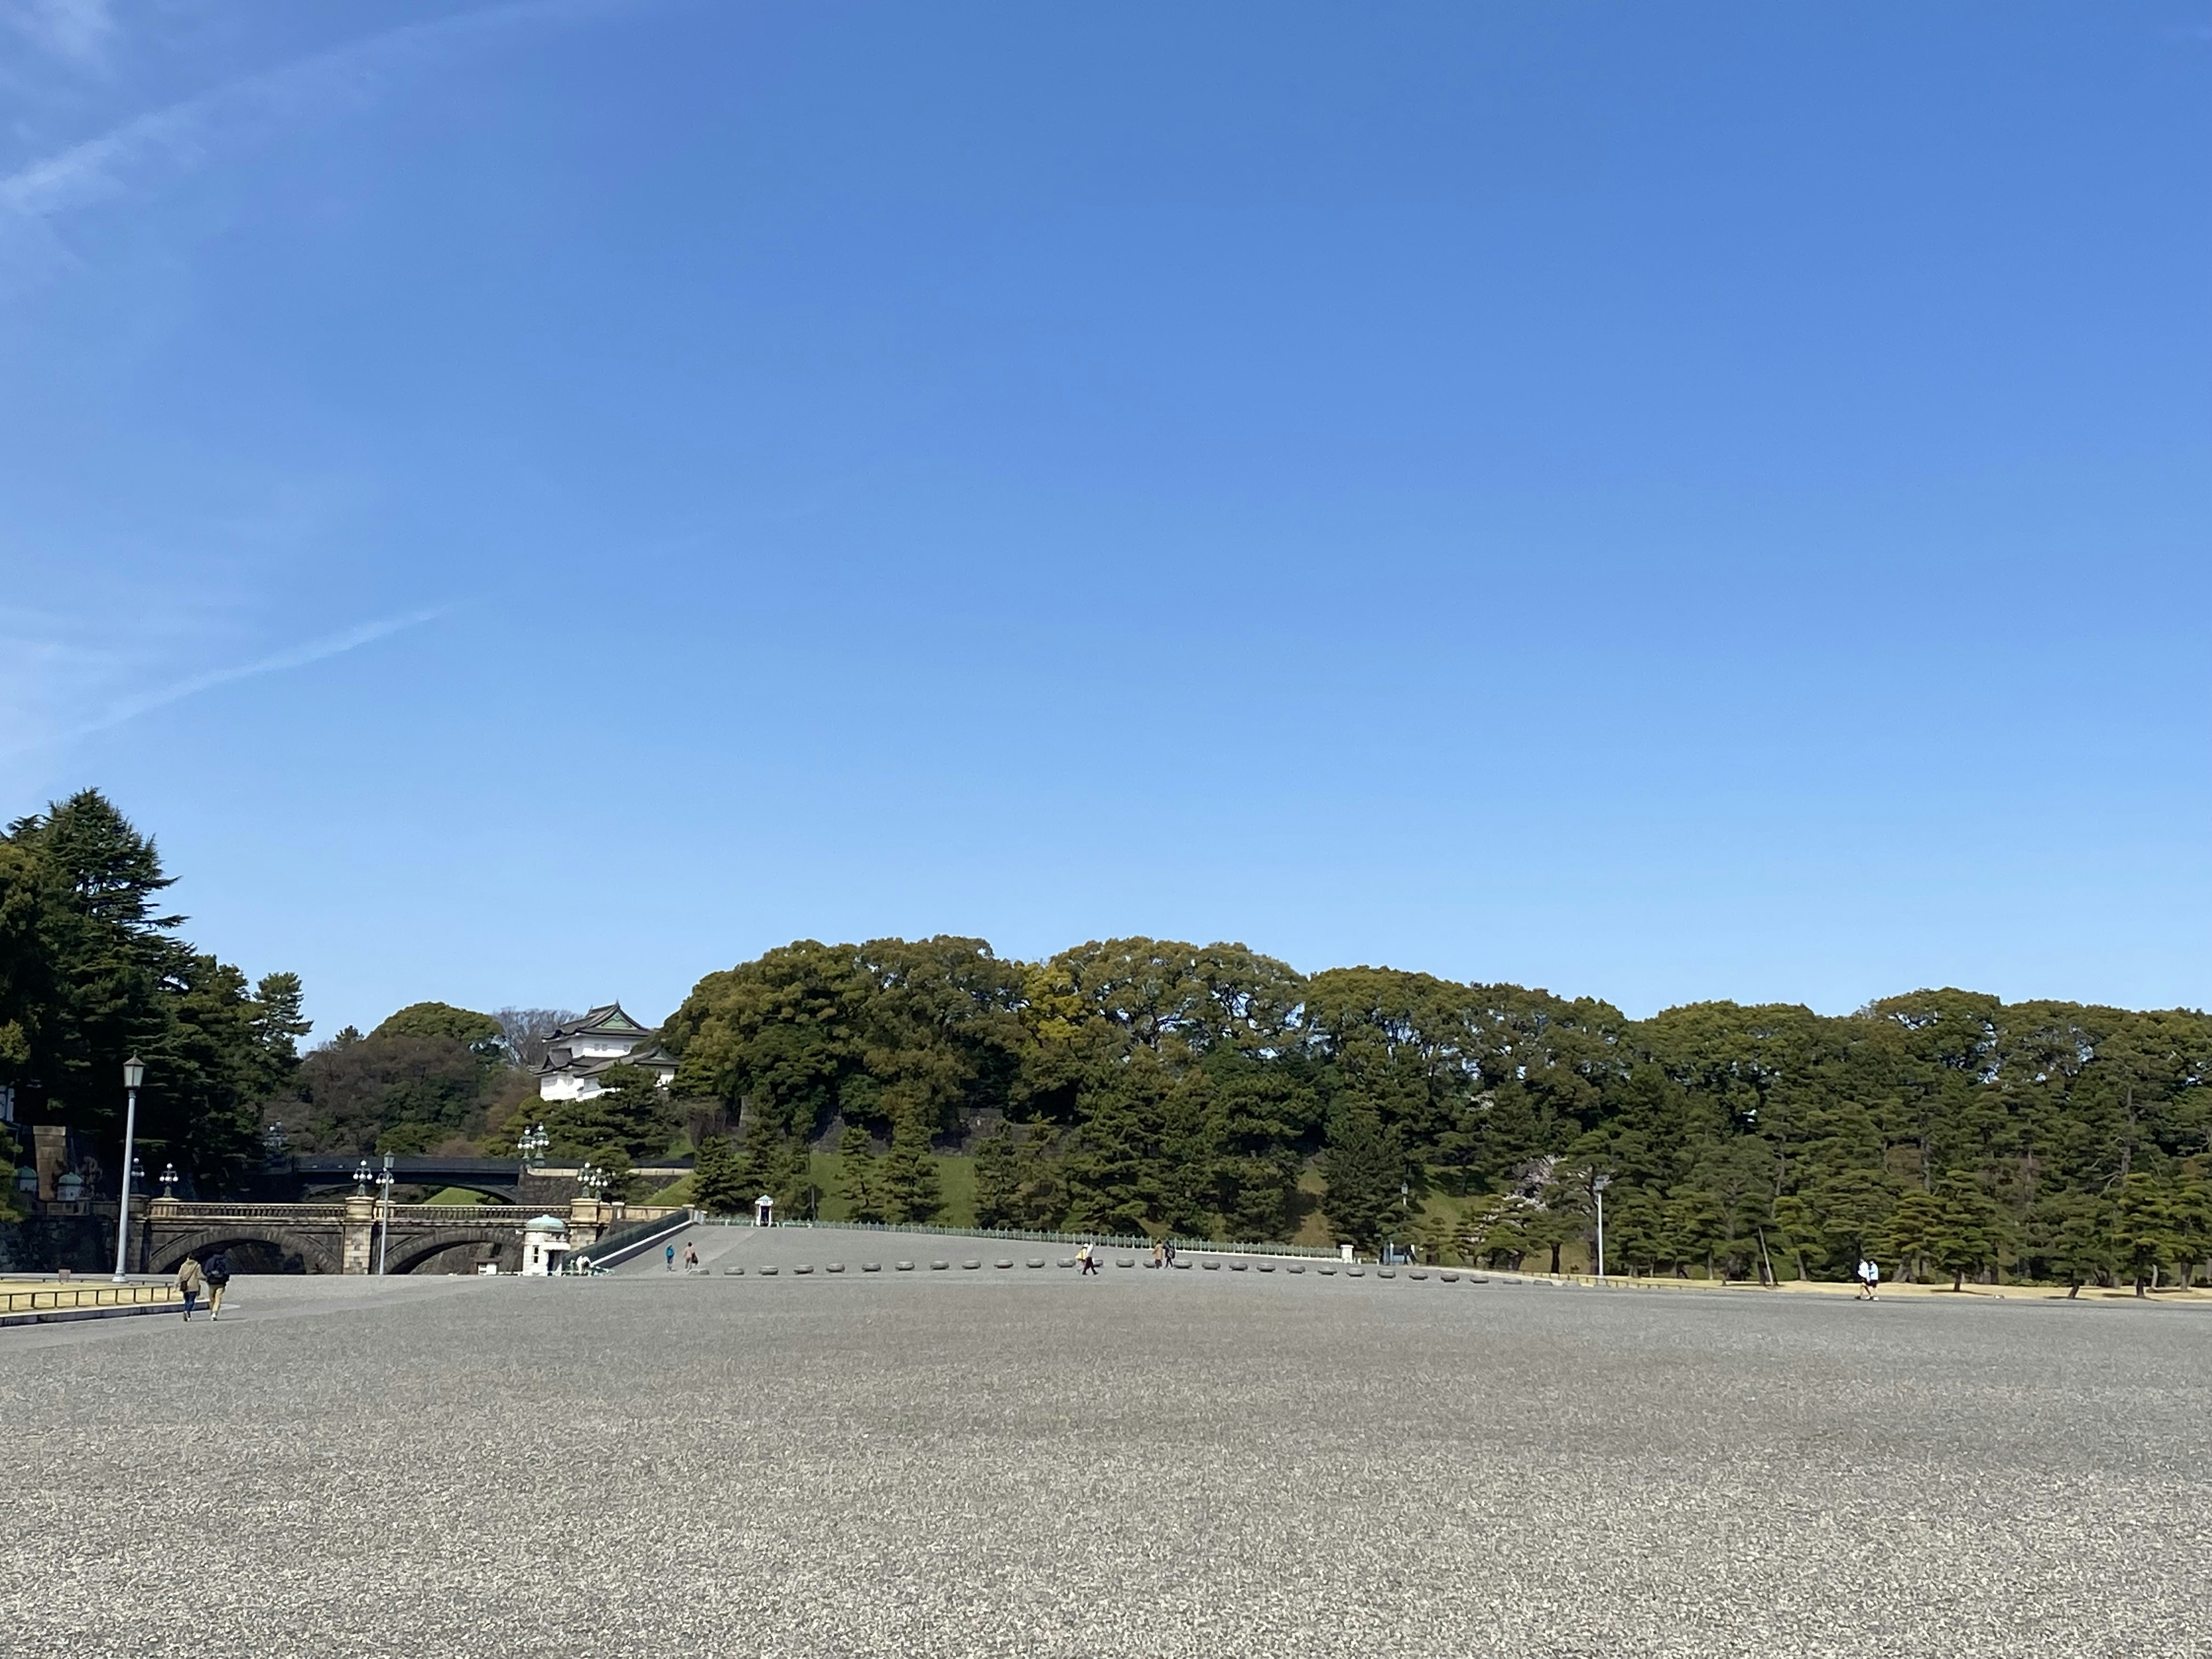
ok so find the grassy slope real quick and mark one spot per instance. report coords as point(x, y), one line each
point(957, 1174)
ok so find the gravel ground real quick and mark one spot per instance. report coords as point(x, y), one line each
point(1004, 1462)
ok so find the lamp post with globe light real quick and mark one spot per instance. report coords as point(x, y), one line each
point(384, 1232)
point(133, 1075)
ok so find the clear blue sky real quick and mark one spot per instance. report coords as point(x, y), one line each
point(532, 503)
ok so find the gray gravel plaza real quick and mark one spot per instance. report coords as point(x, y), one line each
point(1017, 1462)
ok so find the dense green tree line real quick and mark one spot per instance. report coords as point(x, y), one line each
point(91, 972)
point(1151, 1084)
point(1148, 1084)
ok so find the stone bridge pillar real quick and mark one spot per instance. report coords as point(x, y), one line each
point(588, 1220)
point(355, 1234)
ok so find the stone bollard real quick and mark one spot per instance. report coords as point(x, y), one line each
point(1210, 1267)
point(803, 1267)
point(970, 1266)
point(1449, 1277)
point(906, 1266)
point(1328, 1272)
point(1238, 1267)
point(1182, 1267)
point(1294, 1268)
point(938, 1266)
point(1266, 1267)
point(1003, 1263)
point(1036, 1261)
point(872, 1266)
point(767, 1272)
point(733, 1273)
point(1417, 1274)
point(835, 1267)
point(1355, 1272)
point(1067, 1261)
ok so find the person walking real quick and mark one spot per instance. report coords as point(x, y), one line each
point(216, 1271)
point(672, 1258)
point(1087, 1261)
point(192, 1281)
point(1168, 1247)
point(1868, 1276)
point(690, 1258)
point(1159, 1253)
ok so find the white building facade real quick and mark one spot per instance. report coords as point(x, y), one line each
point(577, 1056)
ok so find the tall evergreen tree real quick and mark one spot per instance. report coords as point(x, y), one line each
point(912, 1189)
point(860, 1182)
point(717, 1183)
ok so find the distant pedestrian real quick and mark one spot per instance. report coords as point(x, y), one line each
point(1159, 1253)
point(1168, 1247)
point(690, 1259)
point(216, 1271)
point(192, 1281)
point(672, 1258)
point(1870, 1276)
point(1086, 1259)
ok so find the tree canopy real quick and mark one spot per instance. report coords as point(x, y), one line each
point(1153, 1084)
point(91, 970)
point(1158, 1085)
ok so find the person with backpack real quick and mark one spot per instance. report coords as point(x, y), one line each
point(216, 1271)
point(192, 1281)
point(670, 1253)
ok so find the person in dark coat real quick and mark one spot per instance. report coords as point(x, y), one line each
point(216, 1271)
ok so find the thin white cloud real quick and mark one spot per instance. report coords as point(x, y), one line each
point(78, 30)
point(298, 656)
point(182, 135)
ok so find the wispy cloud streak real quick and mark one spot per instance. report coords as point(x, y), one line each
point(182, 135)
point(78, 30)
point(298, 656)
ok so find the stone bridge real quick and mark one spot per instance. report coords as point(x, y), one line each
point(342, 1237)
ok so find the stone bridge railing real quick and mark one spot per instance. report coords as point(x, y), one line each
point(344, 1237)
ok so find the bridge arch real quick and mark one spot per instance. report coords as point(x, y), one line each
point(410, 1250)
point(316, 1251)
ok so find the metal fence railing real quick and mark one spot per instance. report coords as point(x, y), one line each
point(1112, 1241)
point(620, 1244)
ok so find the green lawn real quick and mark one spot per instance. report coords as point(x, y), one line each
point(956, 1174)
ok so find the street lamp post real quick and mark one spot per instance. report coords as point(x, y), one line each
point(531, 1145)
point(384, 1233)
point(1598, 1185)
point(134, 1074)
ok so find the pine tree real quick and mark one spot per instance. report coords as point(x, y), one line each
point(1969, 1228)
point(911, 1188)
point(717, 1183)
point(998, 1180)
point(1915, 1231)
point(1364, 1164)
point(2144, 1236)
point(859, 1182)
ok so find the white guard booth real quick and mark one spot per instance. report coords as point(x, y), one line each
point(545, 1246)
point(765, 1211)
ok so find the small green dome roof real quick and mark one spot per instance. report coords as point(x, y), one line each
point(545, 1224)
